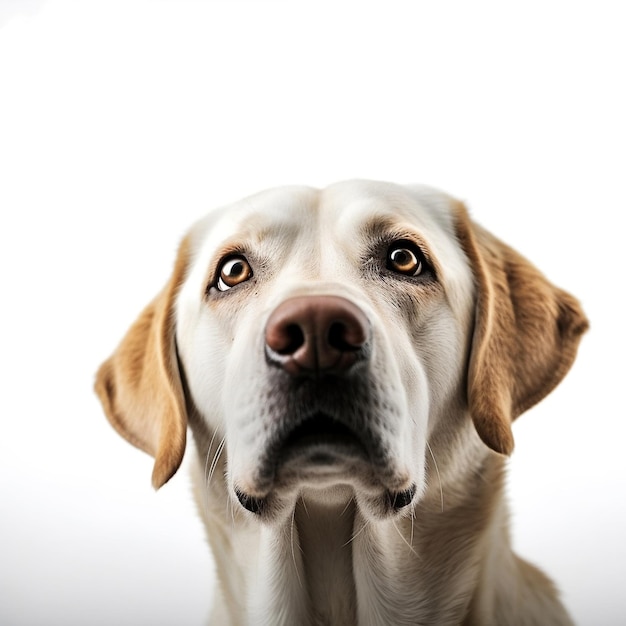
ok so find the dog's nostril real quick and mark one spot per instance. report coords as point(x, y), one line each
point(284, 338)
point(293, 339)
point(252, 504)
point(340, 338)
point(400, 499)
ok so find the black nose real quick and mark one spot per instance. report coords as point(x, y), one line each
point(319, 334)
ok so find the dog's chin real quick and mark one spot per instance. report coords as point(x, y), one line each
point(337, 490)
point(325, 459)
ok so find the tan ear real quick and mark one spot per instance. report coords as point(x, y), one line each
point(140, 385)
point(526, 334)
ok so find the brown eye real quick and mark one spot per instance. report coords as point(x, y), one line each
point(403, 257)
point(234, 270)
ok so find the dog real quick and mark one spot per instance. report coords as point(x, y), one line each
point(349, 362)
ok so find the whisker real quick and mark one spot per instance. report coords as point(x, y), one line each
point(356, 534)
point(209, 471)
point(293, 551)
point(345, 508)
point(411, 548)
point(438, 474)
point(208, 455)
point(212, 439)
point(205, 494)
point(230, 503)
point(216, 457)
point(231, 506)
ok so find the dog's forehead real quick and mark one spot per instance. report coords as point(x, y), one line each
point(336, 212)
point(276, 211)
point(354, 205)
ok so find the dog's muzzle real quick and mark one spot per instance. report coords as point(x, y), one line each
point(320, 348)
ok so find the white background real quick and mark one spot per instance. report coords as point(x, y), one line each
point(120, 124)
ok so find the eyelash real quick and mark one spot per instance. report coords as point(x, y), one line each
point(394, 253)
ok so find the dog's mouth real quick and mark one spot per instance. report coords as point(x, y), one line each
point(322, 452)
point(320, 440)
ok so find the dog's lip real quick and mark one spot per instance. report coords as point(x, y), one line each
point(319, 444)
point(321, 437)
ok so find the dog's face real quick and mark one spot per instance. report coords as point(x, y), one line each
point(329, 336)
point(325, 335)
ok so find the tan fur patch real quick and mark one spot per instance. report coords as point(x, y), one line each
point(140, 385)
point(526, 334)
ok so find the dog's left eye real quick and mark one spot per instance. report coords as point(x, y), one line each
point(405, 258)
point(233, 271)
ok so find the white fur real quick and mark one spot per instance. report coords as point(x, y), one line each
point(327, 556)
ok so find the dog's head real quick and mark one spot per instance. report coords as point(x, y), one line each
point(329, 336)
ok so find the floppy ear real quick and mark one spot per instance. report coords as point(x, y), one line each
point(140, 385)
point(526, 334)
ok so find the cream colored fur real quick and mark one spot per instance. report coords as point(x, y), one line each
point(456, 355)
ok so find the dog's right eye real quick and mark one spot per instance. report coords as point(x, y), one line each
point(404, 257)
point(233, 271)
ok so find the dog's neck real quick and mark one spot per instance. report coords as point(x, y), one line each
point(327, 565)
point(422, 569)
point(325, 534)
